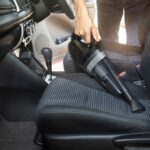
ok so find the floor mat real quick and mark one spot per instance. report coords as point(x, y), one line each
point(17, 135)
point(18, 105)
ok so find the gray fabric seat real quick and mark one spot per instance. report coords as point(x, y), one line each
point(76, 104)
point(75, 113)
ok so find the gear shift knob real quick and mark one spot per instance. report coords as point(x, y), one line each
point(47, 53)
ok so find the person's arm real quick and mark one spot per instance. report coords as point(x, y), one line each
point(84, 24)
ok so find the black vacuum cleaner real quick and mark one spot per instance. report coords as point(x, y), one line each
point(92, 59)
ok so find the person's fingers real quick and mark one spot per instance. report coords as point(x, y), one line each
point(81, 33)
point(95, 34)
point(87, 37)
point(77, 30)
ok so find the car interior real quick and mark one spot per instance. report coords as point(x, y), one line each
point(41, 109)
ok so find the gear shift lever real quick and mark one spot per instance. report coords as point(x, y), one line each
point(47, 53)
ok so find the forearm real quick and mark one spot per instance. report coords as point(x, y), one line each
point(80, 8)
point(79, 3)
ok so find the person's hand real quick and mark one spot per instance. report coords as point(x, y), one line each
point(84, 25)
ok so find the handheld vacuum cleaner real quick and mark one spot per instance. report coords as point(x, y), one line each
point(92, 59)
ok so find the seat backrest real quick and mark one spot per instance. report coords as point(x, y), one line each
point(144, 34)
point(145, 63)
point(144, 24)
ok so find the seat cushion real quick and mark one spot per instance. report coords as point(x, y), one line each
point(77, 104)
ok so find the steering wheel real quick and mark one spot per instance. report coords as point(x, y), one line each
point(60, 6)
point(65, 4)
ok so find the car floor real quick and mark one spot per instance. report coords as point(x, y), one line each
point(17, 135)
point(17, 119)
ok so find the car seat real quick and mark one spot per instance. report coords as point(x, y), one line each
point(75, 112)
